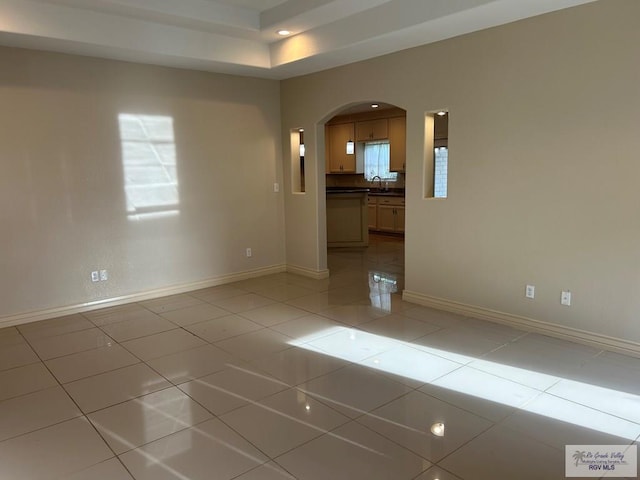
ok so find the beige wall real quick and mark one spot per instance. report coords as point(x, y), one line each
point(63, 211)
point(544, 164)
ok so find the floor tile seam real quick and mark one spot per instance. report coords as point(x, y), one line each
point(229, 363)
point(448, 472)
point(492, 426)
point(182, 429)
point(164, 310)
point(140, 362)
point(115, 342)
point(459, 407)
point(228, 314)
point(322, 351)
point(260, 292)
point(421, 320)
point(187, 294)
point(225, 338)
point(320, 401)
point(329, 433)
point(62, 386)
point(273, 302)
point(283, 382)
point(431, 462)
point(260, 404)
point(84, 350)
point(279, 322)
point(526, 434)
point(139, 336)
point(314, 338)
point(503, 423)
point(27, 335)
point(269, 457)
point(306, 309)
point(323, 399)
point(403, 447)
point(233, 409)
point(189, 378)
point(207, 300)
point(27, 342)
point(271, 460)
point(262, 374)
point(105, 324)
point(404, 341)
point(105, 444)
point(79, 414)
point(178, 327)
point(377, 371)
point(595, 409)
point(419, 347)
point(250, 360)
point(2, 370)
point(469, 365)
point(129, 399)
point(318, 398)
point(77, 406)
point(502, 343)
point(56, 380)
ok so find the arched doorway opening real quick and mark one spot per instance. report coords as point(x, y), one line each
point(364, 159)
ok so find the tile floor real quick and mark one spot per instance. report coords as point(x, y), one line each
point(283, 377)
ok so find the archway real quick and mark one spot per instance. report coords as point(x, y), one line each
point(362, 148)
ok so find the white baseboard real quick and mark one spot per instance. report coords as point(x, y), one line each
point(553, 330)
point(308, 272)
point(28, 317)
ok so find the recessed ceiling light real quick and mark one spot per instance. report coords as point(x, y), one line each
point(438, 429)
point(374, 105)
point(442, 113)
point(284, 33)
point(301, 129)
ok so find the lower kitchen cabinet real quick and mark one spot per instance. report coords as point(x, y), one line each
point(372, 206)
point(389, 214)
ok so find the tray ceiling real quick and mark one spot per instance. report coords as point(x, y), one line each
point(239, 36)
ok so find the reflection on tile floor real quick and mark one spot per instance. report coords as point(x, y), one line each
point(284, 377)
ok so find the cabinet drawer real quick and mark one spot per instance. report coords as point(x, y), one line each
point(396, 201)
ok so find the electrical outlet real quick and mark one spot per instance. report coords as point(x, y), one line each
point(95, 276)
point(530, 291)
point(249, 253)
point(104, 275)
point(565, 298)
point(276, 187)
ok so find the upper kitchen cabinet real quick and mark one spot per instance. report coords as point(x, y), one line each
point(338, 160)
point(397, 144)
point(369, 130)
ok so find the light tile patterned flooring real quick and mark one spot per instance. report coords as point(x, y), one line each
point(285, 377)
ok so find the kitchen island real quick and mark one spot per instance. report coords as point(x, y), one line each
point(347, 222)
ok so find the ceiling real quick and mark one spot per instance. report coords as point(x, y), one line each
point(239, 36)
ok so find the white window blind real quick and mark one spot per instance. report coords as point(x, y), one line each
point(376, 161)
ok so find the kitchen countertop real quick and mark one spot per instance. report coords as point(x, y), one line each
point(373, 192)
point(336, 190)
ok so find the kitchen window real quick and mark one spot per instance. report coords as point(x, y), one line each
point(376, 161)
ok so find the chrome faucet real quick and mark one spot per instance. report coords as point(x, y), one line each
point(379, 181)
